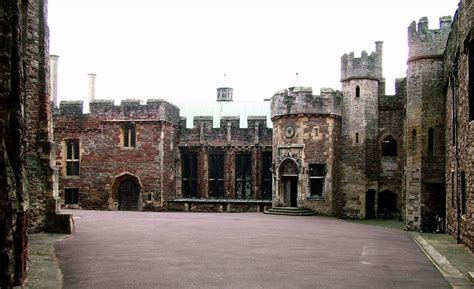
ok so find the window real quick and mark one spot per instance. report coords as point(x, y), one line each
point(216, 175)
point(317, 172)
point(357, 137)
point(389, 147)
point(189, 175)
point(267, 175)
point(413, 141)
point(72, 157)
point(453, 189)
point(471, 80)
point(243, 176)
point(430, 140)
point(71, 196)
point(357, 92)
point(129, 136)
point(463, 193)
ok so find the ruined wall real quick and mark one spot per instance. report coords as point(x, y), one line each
point(105, 162)
point(26, 177)
point(425, 110)
point(306, 130)
point(459, 129)
point(360, 78)
point(230, 140)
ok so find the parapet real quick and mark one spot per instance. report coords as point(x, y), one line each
point(71, 107)
point(428, 43)
point(233, 120)
point(366, 66)
point(101, 106)
point(300, 100)
point(257, 120)
point(206, 121)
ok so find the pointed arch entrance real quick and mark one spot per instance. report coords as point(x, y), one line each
point(289, 183)
point(127, 192)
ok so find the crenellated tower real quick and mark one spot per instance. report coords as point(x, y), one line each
point(362, 81)
point(424, 124)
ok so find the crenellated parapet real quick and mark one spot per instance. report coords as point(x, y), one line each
point(364, 67)
point(129, 109)
point(300, 100)
point(425, 43)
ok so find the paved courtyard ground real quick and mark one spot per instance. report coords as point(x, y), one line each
point(223, 250)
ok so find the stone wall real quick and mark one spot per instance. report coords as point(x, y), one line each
point(26, 174)
point(459, 129)
point(105, 162)
point(425, 110)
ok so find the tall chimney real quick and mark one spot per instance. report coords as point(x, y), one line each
point(91, 86)
point(53, 79)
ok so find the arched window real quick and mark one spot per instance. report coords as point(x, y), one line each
point(389, 147)
point(357, 91)
point(413, 140)
point(430, 140)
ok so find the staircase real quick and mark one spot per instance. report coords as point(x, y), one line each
point(289, 211)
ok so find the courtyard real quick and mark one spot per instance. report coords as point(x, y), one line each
point(112, 249)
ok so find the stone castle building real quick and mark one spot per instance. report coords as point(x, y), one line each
point(353, 153)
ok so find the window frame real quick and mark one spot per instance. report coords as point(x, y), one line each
point(322, 168)
point(129, 136)
point(72, 157)
point(189, 180)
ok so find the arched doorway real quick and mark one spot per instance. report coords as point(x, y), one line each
point(289, 183)
point(370, 204)
point(127, 194)
point(387, 204)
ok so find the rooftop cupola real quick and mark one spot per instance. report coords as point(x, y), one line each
point(224, 92)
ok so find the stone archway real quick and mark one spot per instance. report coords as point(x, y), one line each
point(289, 183)
point(127, 193)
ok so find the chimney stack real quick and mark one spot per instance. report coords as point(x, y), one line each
point(53, 79)
point(91, 86)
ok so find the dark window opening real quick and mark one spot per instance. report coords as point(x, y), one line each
point(129, 136)
point(357, 137)
point(317, 173)
point(189, 175)
point(463, 193)
point(357, 91)
point(71, 196)
point(413, 141)
point(471, 80)
point(430, 140)
point(72, 157)
point(389, 147)
point(243, 176)
point(453, 188)
point(267, 175)
point(216, 175)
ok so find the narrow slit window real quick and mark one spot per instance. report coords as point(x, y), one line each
point(357, 137)
point(357, 92)
point(413, 141)
point(129, 136)
point(463, 193)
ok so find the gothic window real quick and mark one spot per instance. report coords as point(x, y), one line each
point(243, 176)
point(317, 173)
point(389, 147)
point(216, 175)
point(357, 91)
point(72, 157)
point(413, 141)
point(267, 175)
point(189, 175)
point(71, 196)
point(129, 136)
point(430, 140)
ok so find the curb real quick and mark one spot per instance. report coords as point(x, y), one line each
point(454, 277)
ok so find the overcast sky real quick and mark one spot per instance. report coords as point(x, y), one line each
point(180, 50)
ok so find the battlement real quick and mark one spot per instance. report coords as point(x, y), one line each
point(154, 109)
point(366, 66)
point(225, 121)
point(300, 100)
point(427, 43)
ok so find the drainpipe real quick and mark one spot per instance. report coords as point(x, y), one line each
point(454, 84)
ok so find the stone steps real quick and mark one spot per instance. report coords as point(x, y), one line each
point(289, 211)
